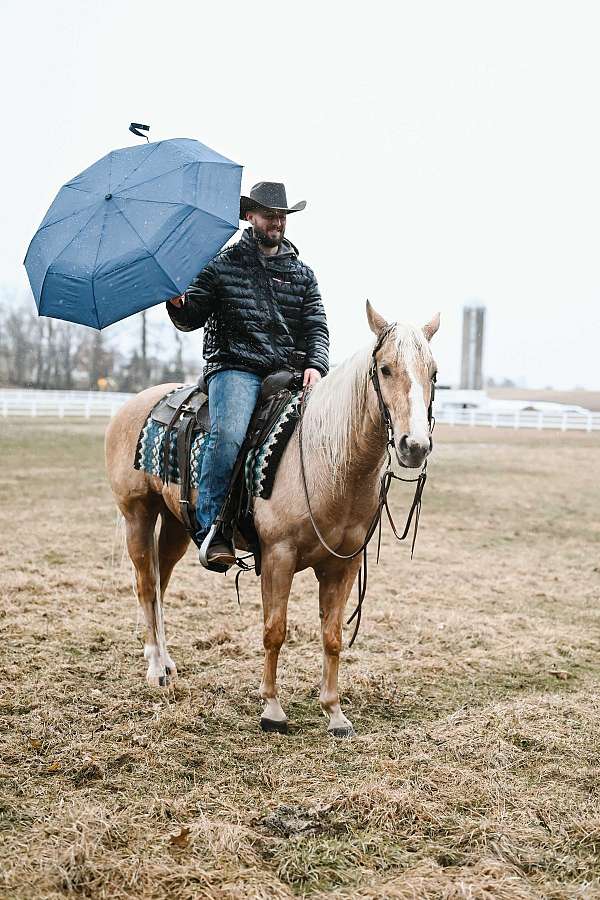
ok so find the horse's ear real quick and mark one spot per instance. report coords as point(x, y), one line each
point(376, 322)
point(432, 326)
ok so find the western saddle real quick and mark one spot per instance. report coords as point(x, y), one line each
point(185, 412)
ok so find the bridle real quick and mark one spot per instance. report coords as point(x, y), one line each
point(385, 482)
point(385, 413)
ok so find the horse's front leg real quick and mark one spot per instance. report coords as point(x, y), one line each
point(278, 566)
point(335, 584)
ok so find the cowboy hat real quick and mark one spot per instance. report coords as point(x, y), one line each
point(268, 195)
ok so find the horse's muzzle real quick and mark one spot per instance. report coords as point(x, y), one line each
point(412, 452)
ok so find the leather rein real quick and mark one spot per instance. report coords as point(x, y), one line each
point(384, 486)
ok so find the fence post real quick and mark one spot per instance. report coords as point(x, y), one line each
point(589, 422)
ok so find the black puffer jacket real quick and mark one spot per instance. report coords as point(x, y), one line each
point(256, 310)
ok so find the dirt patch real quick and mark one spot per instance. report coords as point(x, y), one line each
point(473, 687)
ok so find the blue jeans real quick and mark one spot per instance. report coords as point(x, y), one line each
point(232, 396)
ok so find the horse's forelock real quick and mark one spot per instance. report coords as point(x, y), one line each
point(410, 345)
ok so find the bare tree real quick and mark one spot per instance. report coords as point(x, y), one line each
point(47, 353)
point(19, 346)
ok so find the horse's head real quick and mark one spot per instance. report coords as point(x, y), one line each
point(405, 370)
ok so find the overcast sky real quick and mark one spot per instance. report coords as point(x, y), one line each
point(448, 151)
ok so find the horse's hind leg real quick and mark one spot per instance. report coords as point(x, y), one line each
point(140, 521)
point(172, 544)
point(335, 585)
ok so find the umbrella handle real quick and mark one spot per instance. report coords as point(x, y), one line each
point(134, 128)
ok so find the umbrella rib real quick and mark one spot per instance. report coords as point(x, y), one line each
point(143, 200)
point(58, 221)
point(68, 244)
point(81, 190)
point(177, 203)
point(176, 169)
point(143, 243)
point(193, 209)
point(96, 261)
point(154, 177)
point(141, 163)
point(215, 216)
point(110, 163)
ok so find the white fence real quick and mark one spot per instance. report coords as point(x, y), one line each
point(81, 404)
point(519, 418)
point(88, 404)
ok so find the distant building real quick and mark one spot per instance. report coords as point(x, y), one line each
point(471, 371)
point(447, 399)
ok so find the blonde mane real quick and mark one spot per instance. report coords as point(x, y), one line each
point(336, 407)
point(337, 404)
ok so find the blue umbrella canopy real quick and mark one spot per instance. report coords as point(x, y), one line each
point(133, 230)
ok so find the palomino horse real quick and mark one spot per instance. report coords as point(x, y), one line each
point(344, 441)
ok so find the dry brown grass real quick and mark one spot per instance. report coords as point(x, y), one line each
point(473, 685)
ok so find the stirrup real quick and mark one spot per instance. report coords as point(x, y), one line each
point(204, 548)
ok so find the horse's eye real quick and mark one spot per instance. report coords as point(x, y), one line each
point(385, 370)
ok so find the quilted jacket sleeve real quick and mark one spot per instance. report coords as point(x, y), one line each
point(315, 329)
point(199, 302)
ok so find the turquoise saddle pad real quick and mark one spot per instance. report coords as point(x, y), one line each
point(260, 466)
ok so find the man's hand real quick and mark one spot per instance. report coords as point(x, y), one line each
point(177, 301)
point(311, 376)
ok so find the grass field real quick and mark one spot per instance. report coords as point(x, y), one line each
point(473, 686)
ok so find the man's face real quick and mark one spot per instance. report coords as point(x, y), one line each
point(268, 225)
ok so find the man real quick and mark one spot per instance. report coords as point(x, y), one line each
point(258, 303)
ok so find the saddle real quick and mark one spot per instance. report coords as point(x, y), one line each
point(189, 398)
point(185, 411)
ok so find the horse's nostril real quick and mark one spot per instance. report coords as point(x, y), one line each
point(403, 443)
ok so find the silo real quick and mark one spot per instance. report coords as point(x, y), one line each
point(471, 372)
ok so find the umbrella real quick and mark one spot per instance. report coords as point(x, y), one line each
point(133, 230)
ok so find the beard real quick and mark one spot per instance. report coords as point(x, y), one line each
point(267, 240)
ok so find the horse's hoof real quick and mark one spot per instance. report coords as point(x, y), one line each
point(273, 725)
point(346, 731)
point(169, 679)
